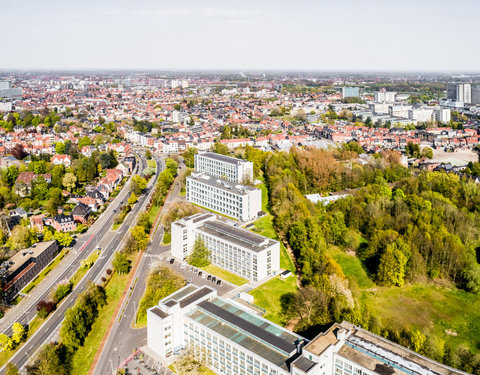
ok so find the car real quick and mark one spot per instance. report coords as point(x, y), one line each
point(115, 210)
point(98, 247)
point(214, 279)
point(172, 261)
point(209, 277)
point(121, 202)
point(200, 273)
point(219, 282)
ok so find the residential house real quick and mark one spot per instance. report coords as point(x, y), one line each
point(80, 213)
point(64, 223)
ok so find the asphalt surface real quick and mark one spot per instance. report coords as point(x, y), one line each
point(108, 240)
point(124, 339)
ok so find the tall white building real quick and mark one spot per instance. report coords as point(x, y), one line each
point(384, 96)
point(231, 339)
point(461, 92)
point(240, 202)
point(234, 249)
point(7, 91)
point(225, 167)
point(421, 114)
point(442, 114)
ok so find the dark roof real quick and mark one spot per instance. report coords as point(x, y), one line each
point(303, 364)
point(61, 218)
point(171, 303)
point(195, 296)
point(159, 312)
point(223, 158)
point(81, 210)
point(248, 327)
point(95, 194)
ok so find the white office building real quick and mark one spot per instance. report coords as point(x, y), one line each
point(225, 167)
point(7, 91)
point(234, 249)
point(384, 96)
point(240, 202)
point(421, 114)
point(231, 339)
point(442, 114)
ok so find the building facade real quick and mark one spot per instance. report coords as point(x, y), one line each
point(234, 249)
point(461, 92)
point(225, 167)
point(232, 339)
point(20, 269)
point(384, 96)
point(240, 202)
point(350, 92)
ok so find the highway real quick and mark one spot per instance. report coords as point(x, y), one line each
point(99, 234)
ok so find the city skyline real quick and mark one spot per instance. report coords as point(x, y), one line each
point(214, 35)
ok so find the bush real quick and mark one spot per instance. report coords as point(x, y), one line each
point(61, 291)
point(108, 271)
point(44, 308)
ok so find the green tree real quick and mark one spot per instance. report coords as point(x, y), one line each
point(52, 359)
point(427, 152)
point(200, 255)
point(226, 132)
point(138, 184)
point(417, 341)
point(189, 157)
point(63, 238)
point(132, 199)
point(11, 369)
point(18, 333)
point(120, 263)
point(69, 181)
point(140, 237)
point(391, 270)
point(60, 148)
point(148, 154)
point(84, 141)
point(220, 148)
point(20, 238)
point(6, 343)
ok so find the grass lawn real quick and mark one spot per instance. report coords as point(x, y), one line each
point(45, 272)
point(83, 269)
point(264, 194)
point(83, 357)
point(352, 267)
point(151, 163)
point(33, 327)
point(264, 226)
point(267, 296)
point(152, 213)
point(433, 308)
point(203, 370)
point(225, 275)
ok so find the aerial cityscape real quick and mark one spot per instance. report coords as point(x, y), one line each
point(254, 188)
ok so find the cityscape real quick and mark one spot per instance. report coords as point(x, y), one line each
point(239, 188)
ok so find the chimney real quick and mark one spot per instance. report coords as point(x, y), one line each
point(341, 334)
point(299, 345)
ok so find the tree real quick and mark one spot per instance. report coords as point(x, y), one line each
point(417, 341)
point(120, 263)
point(427, 152)
point(52, 359)
point(148, 154)
point(18, 333)
point(308, 304)
point(12, 369)
point(21, 238)
point(69, 181)
point(140, 237)
point(145, 222)
point(18, 151)
point(200, 255)
point(60, 148)
point(138, 184)
point(391, 270)
point(6, 343)
point(132, 199)
point(220, 148)
point(11, 175)
point(63, 238)
point(84, 141)
point(226, 132)
point(189, 157)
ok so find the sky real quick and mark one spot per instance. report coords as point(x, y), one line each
point(299, 35)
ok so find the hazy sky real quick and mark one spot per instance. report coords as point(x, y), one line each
point(432, 35)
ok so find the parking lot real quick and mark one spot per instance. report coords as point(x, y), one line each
point(198, 277)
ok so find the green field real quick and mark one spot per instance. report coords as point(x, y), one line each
point(432, 308)
point(45, 272)
point(84, 356)
point(225, 275)
point(352, 267)
point(267, 296)
point(264, 226)
point(84, 268)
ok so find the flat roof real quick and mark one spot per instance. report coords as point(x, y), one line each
point(24, 255)
point(195, 296)
point(303, 364)
point(241, 321)
point(225, 185)
point(223, 158)
point(158, 312)
point(239, 236)
point(179, 294)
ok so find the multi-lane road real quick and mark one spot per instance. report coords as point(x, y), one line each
point(100, 234)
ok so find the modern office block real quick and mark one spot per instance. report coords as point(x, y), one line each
point(384, 96)
point(240, 202)
point(349, 92)
point(231, 339)
point(7, 91)
point(461, 92)
point(234, 249)
point(225, 167)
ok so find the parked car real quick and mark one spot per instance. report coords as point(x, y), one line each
point(209, 277)
point(172, 261)
point(214, 279)
point(219, 282)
